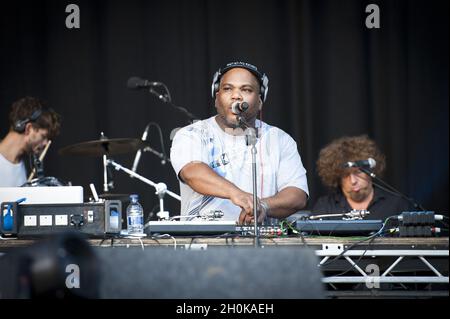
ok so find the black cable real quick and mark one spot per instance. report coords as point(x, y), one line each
point(161, 139)
point(359, 259)
point(303, 239)
point(359, 242)
point(152, 213)
point(273, 241)
point(192, 241)
point(296, 231)
point(442, 222)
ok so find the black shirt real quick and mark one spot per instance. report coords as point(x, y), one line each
point(382, 205)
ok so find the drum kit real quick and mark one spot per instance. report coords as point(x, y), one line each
point(104, 148)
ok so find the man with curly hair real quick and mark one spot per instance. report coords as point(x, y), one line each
point(350, 188)
point(32, 125)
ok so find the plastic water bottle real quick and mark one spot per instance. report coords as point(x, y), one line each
point(135, 216)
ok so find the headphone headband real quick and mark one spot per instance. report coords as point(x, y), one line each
point(262, 77)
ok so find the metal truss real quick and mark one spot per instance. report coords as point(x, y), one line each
point(372, 275)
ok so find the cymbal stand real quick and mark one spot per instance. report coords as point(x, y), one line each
point(106, 185)
point(105, 174)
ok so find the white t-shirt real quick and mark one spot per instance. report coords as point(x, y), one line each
point(278, 164)
point(12, 175)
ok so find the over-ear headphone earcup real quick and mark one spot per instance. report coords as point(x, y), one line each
point(20, 125)
point(215, 84)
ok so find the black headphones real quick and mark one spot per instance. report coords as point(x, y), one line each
point(262, 78)
point(19, 127)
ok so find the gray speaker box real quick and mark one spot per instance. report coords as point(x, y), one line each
point(214, 273)
point(41, 270)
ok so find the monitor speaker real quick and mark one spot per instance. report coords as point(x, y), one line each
point(214, 273)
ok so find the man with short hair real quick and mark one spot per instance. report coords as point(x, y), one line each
point(32, 125)
point(213, 161)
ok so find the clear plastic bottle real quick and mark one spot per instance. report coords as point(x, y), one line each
point(135, 216)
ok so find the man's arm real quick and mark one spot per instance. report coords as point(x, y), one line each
point(202, 179)
point(284, 203)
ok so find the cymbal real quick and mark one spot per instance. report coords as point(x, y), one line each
point(104, 147)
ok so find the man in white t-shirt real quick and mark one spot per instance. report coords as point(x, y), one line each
point(214, 163)
point(31, 127)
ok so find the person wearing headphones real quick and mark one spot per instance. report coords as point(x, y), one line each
point(214, 163)
point(340, 166)
point(32, 125)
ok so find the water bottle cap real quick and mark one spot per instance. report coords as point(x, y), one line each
point(134, 197)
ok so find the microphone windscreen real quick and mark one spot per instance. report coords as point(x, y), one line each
point(134, 82)
point(235, 108)
point(244, 106)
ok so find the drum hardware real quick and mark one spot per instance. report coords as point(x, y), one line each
point(161, 188)
point(38, 163)
point(104, 147)
point(46, 181)
point(106, 196)
point(94, 192)
point(164, 159)
point(37, 176)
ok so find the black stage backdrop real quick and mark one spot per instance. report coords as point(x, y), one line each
point(329, 74)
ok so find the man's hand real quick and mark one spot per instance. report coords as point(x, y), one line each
point(246, 217)
point(243, 200)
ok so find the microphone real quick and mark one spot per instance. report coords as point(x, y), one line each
point(139, 152)
point(238, 107)
point(136, 83)
point(368, 163)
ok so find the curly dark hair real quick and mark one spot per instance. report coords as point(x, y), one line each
point(25, 107)
point(347, 149)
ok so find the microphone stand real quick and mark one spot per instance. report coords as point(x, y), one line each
point(390, 188)
point(166, 98)
point(250, 136)
point(164, 158)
